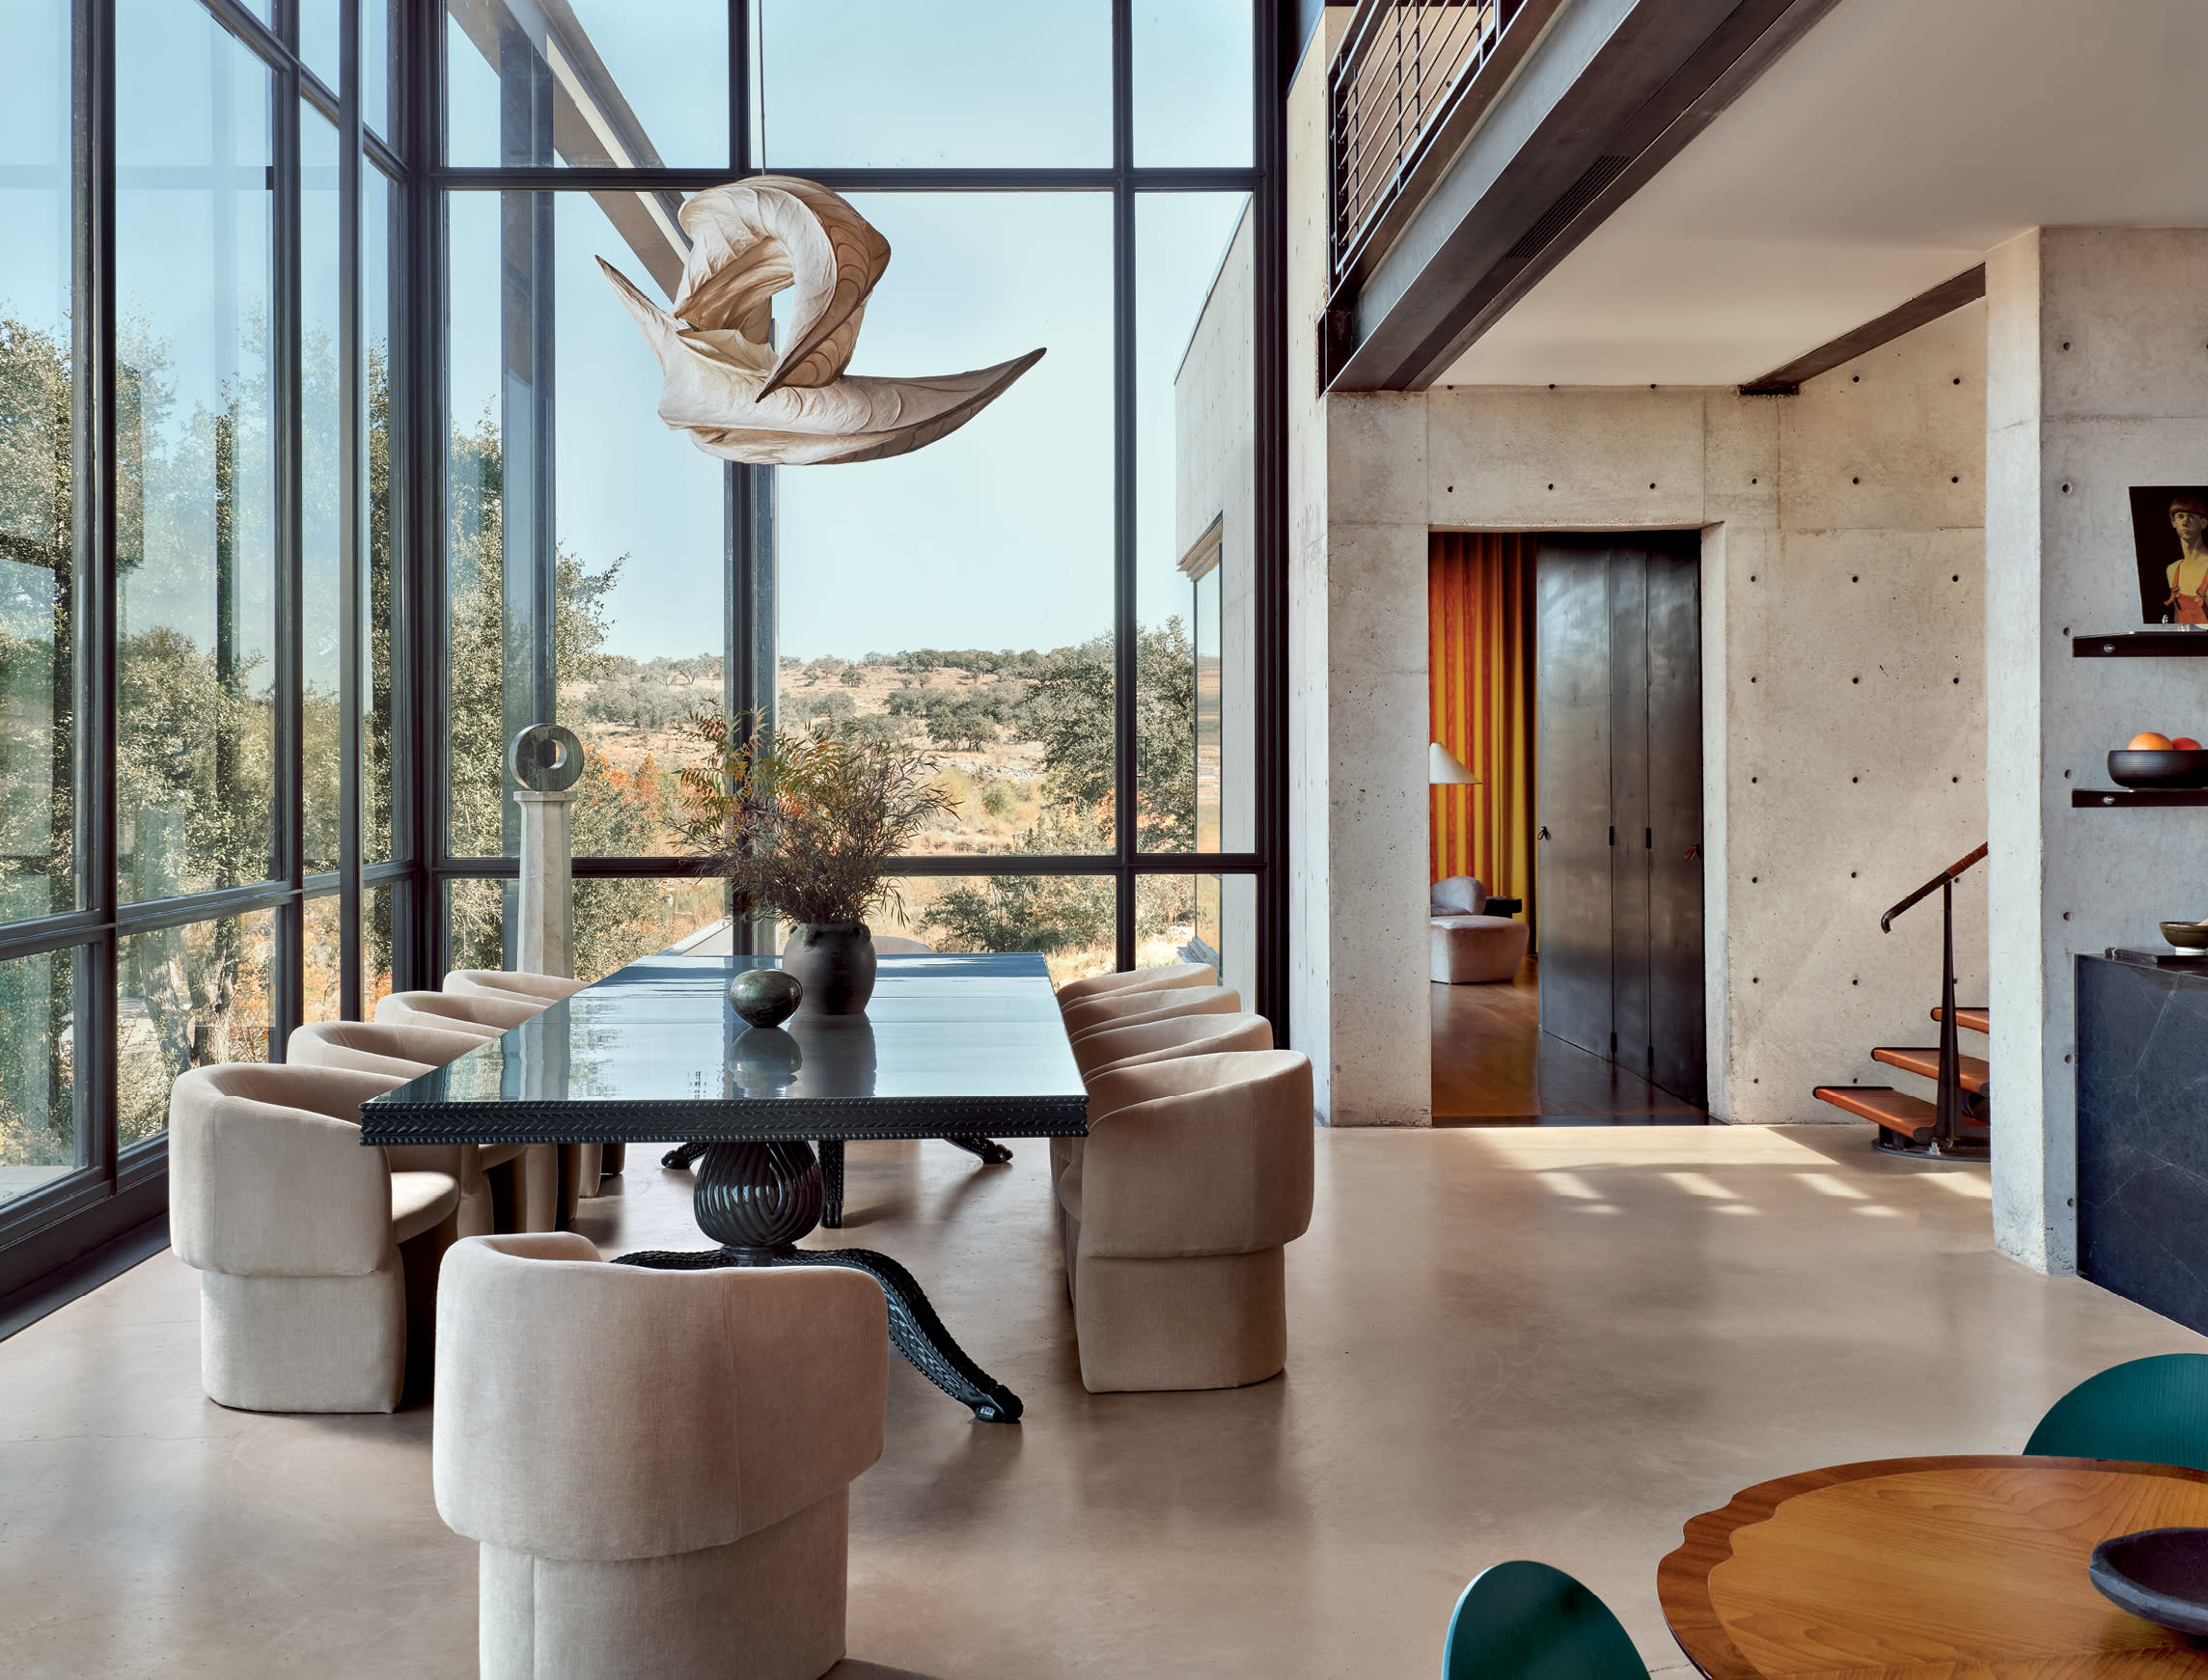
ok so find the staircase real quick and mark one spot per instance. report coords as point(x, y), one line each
point(1956, 1123)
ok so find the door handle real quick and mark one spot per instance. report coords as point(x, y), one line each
point(1544, 834)
point(1693, 852)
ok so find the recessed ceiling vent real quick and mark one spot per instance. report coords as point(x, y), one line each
point(1583, 192)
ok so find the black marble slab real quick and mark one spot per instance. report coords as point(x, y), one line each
point(950, 1046)
point(2143, 1132)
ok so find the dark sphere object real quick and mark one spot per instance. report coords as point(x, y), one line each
point(765, 997)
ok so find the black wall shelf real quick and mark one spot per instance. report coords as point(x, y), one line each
point(2142, 645)
point(2095, 798)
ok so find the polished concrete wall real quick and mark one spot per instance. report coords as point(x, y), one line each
point(2097, 379)
point(1843, 670)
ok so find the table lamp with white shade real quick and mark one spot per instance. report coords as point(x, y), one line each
point(1445, 769)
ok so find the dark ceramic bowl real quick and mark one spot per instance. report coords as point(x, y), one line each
point(2159, 1574)
point(2186, 935)
point(2171, 768)
point(765, 997)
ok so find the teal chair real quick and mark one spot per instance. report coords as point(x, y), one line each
point(2151, 1411)
point(1527, 1622)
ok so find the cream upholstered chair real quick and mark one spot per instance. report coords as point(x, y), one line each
point(1136, 1008)
point(1196, 1174)
point(586, 1163)
point(580, 1164)
point(1139, 979)
point(316, 1260)
point(657, 1465)
point(1108, 1049)
point(492, 983)
point(531, 1170)
point(484, 1017)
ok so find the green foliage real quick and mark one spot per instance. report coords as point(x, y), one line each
point(803, 824)
point(1069, 710)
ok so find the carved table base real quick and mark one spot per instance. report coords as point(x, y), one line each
point(991, 1152)
point(757, 1199)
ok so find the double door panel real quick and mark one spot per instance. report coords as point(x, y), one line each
point(1618, 705)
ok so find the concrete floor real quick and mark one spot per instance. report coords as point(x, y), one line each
point(1549, 1343)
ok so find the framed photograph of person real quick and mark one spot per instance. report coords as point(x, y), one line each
point(2170, 530)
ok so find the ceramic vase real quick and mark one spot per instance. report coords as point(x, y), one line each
point(834, 961)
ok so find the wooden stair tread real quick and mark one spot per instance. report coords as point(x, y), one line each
point(1896, 1111)
point(1970, 1020)
point(1972, 1068)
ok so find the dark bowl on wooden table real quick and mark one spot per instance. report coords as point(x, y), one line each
point(2167, 767)
point(2186, 935)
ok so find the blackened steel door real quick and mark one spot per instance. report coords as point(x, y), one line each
point(1572, 847)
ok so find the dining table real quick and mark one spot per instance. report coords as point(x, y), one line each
point(957, 1047)
point(1971, 1565)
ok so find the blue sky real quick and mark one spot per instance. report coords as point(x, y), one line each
point(1000, 536)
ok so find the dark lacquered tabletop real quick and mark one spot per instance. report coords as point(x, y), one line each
point(949, 1045)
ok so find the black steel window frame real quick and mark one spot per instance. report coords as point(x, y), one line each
point(750, 662)
point(113, 1190)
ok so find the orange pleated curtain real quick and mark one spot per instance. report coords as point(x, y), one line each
point(1479, 657)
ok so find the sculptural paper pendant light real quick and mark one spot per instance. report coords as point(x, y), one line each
point(727, 385)
point(1445, 769)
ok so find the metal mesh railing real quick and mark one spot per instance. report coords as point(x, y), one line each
point(1401, 65)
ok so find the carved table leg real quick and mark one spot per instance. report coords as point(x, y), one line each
point(757, 1199)
point(992, 1153)
point(832, 1182)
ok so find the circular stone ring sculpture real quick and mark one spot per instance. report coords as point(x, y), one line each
point(545, 759)
point(727, 385)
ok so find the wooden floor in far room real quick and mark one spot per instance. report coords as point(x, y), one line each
point(1493, 1066)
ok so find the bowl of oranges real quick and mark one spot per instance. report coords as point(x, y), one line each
point(2151, 760)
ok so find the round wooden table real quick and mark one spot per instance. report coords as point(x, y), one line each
point(1927, 1566)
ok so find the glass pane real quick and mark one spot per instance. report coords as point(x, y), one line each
point(1196, 501)
point(1193, 68)
point(475, 923)
point(378, 63)
point(195, 455)
point(321, 459)
point(597, 84)
point(318, 40)
point(189, 997)
point(638, 564)
point(1208, 919)
point(618, 922)
point(325, 961)
point(377, 210)
point(963, 593)
point(883, 84)
point(643, 544)
point(38, 569)
point(376, 966)
point(1067, 918)
point(39, 1136)
point(480, 820)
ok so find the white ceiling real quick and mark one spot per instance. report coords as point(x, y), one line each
point(1897, 144)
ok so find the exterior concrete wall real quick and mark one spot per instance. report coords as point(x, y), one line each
point(1843, 671)
point(2095, 342)
point(1215, 477)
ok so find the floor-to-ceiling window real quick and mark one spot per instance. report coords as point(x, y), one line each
point(195, 766)
point(329, 461)
point(1083, 178)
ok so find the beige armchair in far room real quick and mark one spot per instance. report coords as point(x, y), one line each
point(1468, 945)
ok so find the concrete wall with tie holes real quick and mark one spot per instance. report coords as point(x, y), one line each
point(1843, 679)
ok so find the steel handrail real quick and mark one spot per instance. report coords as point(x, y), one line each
point(1950, 1077)
point(1948, 876)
